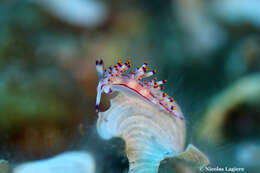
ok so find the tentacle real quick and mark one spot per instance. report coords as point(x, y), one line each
point(98, 98)
point(100, 69)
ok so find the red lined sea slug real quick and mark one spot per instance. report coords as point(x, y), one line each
point(115, 76)
point(147, 119)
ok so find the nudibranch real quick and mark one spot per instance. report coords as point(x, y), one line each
point(145, 118)
point(114, 76)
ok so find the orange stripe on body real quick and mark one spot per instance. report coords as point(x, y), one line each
point(137, 87)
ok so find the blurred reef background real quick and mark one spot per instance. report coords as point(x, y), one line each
point(209, 52)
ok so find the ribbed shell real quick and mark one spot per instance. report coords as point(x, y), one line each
point(151, 134)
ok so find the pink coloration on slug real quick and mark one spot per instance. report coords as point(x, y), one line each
point(115, 76)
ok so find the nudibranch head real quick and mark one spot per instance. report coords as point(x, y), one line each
point(115, 77)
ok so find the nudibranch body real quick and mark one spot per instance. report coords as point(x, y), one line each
point(114, 78)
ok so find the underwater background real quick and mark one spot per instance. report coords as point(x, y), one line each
point(208, 51)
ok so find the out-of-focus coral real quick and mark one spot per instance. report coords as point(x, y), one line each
point(4, 167)
point(230, 124)
point(238, 12)
point(28, 99)
point(71, 162)
point(202, 34)
point(244, 58)
point(233, 115)
point(87, 13)
point(248, 154)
